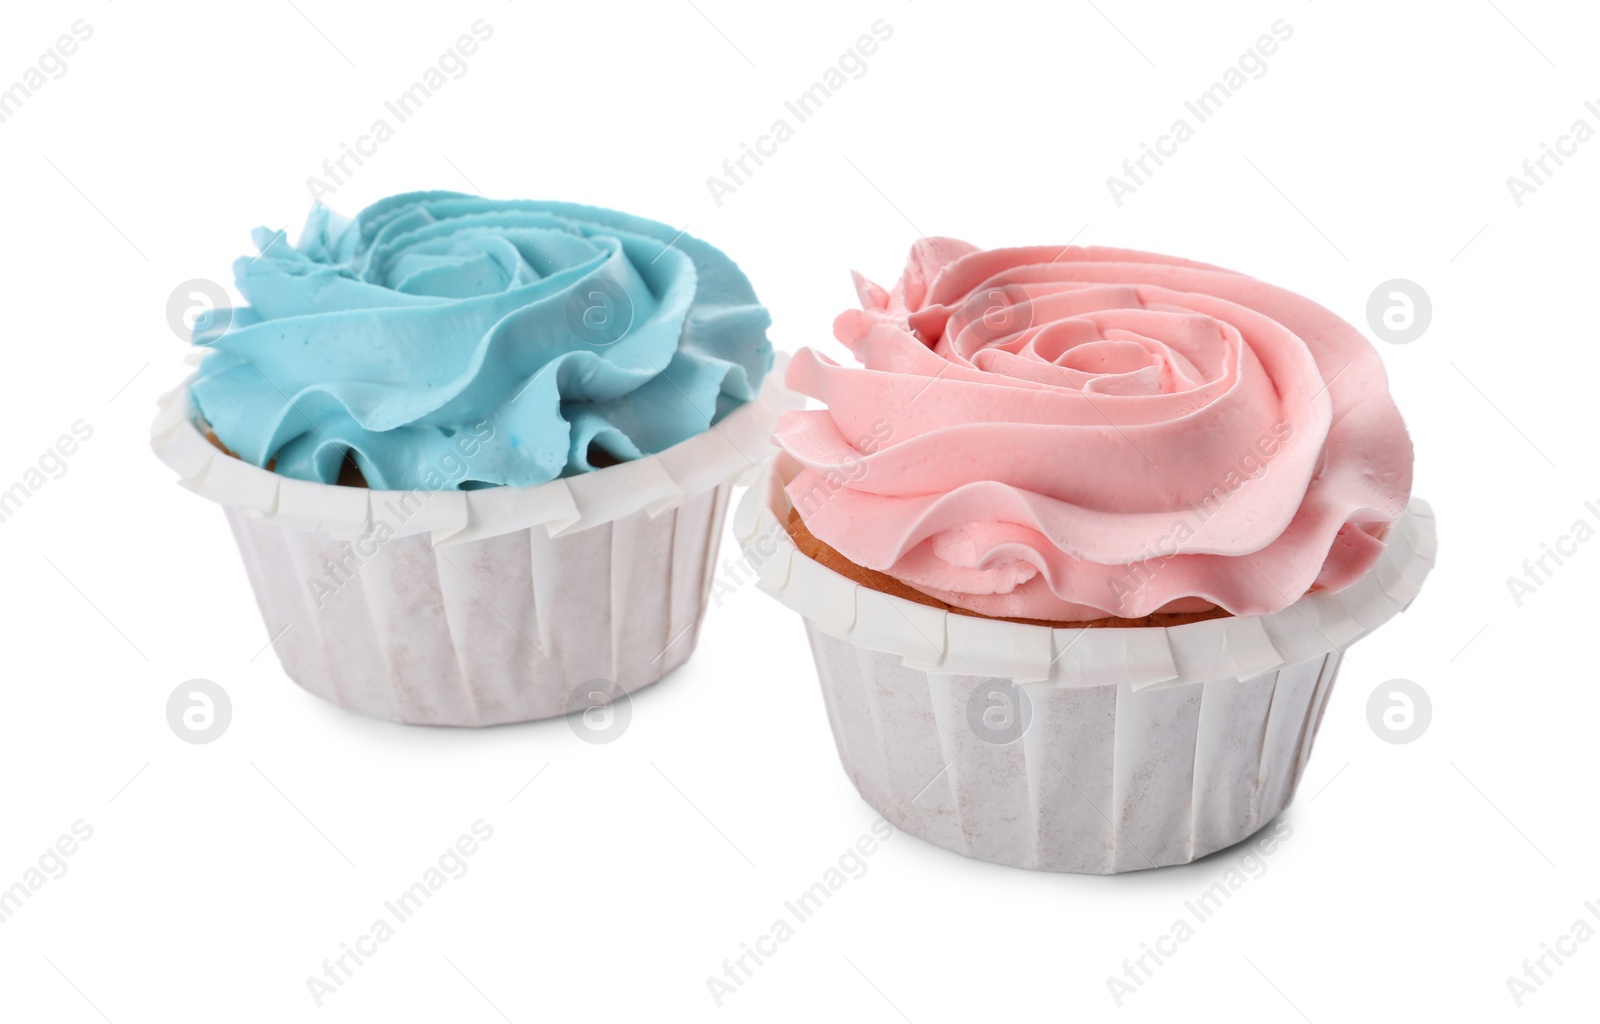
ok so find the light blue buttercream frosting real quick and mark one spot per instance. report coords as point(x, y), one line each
point(445, 341)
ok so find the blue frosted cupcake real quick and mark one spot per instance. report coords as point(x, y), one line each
point(477, 454)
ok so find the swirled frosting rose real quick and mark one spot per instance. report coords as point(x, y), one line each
point(1070, 434)
point(553, 334)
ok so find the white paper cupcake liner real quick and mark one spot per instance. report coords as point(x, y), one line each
point(488, 606)
point(1142, 746)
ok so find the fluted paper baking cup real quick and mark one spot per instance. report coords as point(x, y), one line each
point(1095, 750)
point(487, 606)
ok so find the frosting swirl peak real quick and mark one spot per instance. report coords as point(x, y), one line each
point(1067, 434)
point(551, 332)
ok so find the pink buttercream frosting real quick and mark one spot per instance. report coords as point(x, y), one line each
point(1075, 433)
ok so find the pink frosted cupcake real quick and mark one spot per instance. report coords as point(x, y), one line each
point(1080, 543)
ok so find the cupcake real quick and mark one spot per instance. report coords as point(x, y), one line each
point(1080, 544)
point(477, 454)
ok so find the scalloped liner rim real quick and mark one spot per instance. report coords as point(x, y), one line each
point(935, 640)
point(732, 450)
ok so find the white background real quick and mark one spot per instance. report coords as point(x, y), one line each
point(220, 876)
